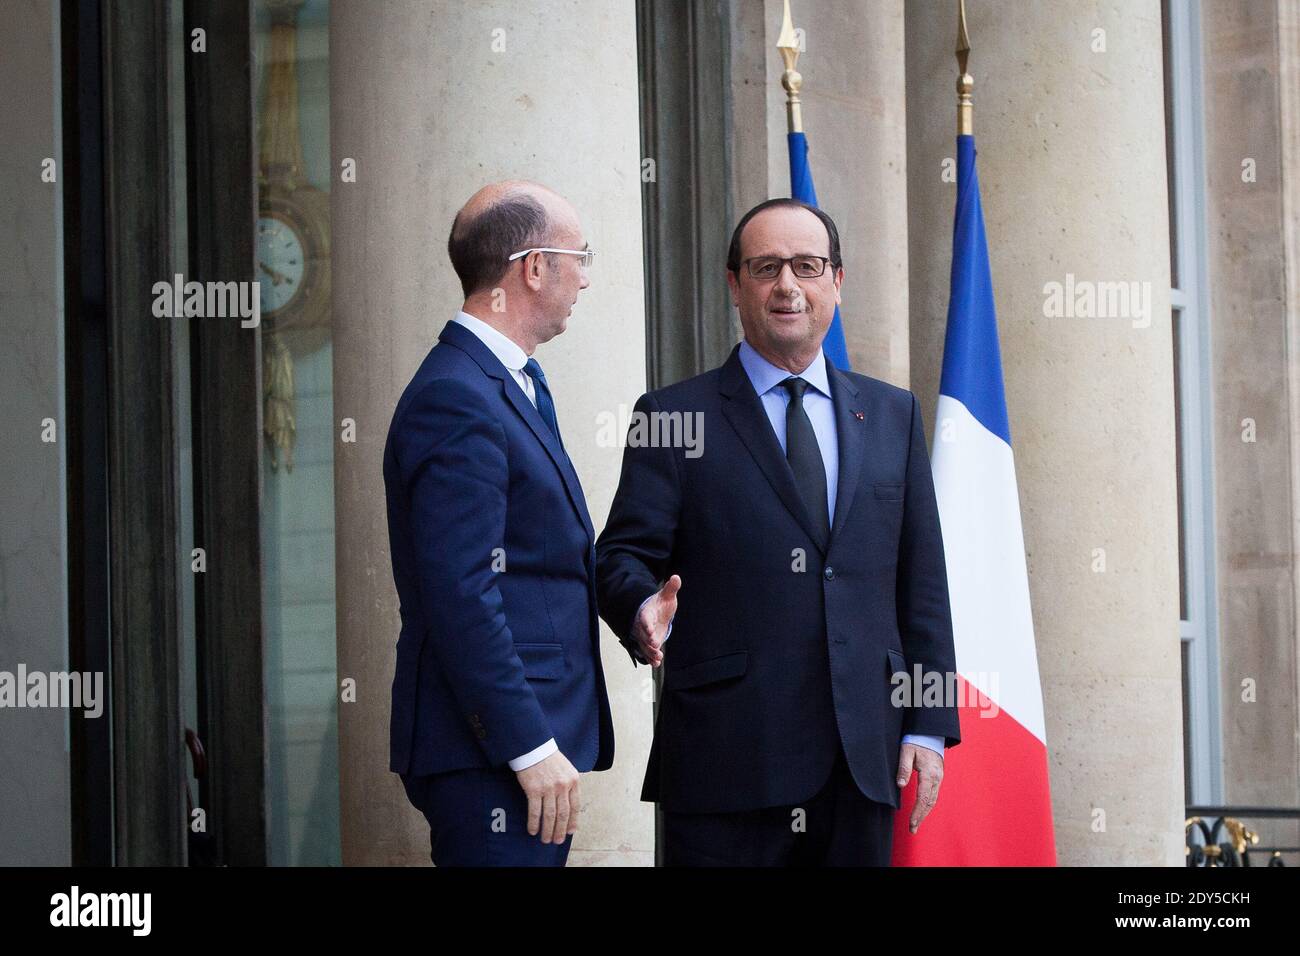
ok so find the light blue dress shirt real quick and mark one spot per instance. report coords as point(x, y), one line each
point(767, 378)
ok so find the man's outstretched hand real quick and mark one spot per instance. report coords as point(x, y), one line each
point(651, 627)
point(552, 789)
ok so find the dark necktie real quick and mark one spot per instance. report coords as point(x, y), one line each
point(805, 457)
point(545, 404)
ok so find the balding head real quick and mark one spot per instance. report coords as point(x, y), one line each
point(498, 221)
point(528, 300)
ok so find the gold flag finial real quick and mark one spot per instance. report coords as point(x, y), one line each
point(965, 82)
point(791, 80)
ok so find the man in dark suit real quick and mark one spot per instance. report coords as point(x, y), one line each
point(805, 543)
point(498, 697)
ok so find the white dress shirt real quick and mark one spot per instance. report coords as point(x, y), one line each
point(514, 359)
point(506, 350)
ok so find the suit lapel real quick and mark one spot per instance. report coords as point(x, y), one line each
point(533, 418)
point(744, 410)
point(851, 432)
point(465, 340)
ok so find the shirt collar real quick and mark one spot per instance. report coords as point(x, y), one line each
point(508, 353)
point(764, 376)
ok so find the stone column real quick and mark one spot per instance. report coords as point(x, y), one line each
point(35, 783)
point(432, 100)
point(853, 115)
point(1069, 120)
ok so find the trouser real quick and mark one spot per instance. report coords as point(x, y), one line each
point(479, 817)
point(837, 827)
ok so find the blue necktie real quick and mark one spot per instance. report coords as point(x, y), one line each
point(805, 457)
point(545, 404)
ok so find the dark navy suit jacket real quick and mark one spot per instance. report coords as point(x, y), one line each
point(773, 665)
point(493, 557)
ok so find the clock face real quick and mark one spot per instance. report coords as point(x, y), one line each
point(281, 262)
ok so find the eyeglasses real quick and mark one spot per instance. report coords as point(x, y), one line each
point(769, 267)
point(587, 254)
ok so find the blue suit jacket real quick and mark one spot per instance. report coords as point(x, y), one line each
point(493, 557)
point(784, 644)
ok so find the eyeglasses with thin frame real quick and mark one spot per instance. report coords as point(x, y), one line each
point(587, 254)
point(803, 267)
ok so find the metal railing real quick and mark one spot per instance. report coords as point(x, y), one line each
point(1218, 836)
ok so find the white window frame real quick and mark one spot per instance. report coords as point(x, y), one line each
point(1191, 303)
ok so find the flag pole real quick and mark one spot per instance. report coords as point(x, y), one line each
point(965, 82)
point(801, 180)
point(791, 79)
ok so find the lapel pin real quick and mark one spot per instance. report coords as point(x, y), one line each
point(859, 416)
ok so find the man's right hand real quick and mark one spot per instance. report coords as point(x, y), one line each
point(651, 627)
point(552, 789)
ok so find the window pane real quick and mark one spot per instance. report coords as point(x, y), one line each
point(1169, 146)
point(1177, 318)
point(292, 68)
point(1187, 721)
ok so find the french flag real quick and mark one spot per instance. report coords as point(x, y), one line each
point(995, 803)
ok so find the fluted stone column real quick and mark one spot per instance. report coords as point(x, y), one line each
point(1069, 122)
point(854, 116)
point(35, 775)
point(432, 100)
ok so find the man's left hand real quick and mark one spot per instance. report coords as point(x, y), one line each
point(929, 767)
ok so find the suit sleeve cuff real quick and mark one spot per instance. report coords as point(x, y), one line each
point(534, 756)
point(926, 741)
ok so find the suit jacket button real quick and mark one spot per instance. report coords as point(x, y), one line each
point(829, 574)
point(480, 733)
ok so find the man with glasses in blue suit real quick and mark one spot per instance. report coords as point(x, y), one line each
point(782, 579)
point(498, 700)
